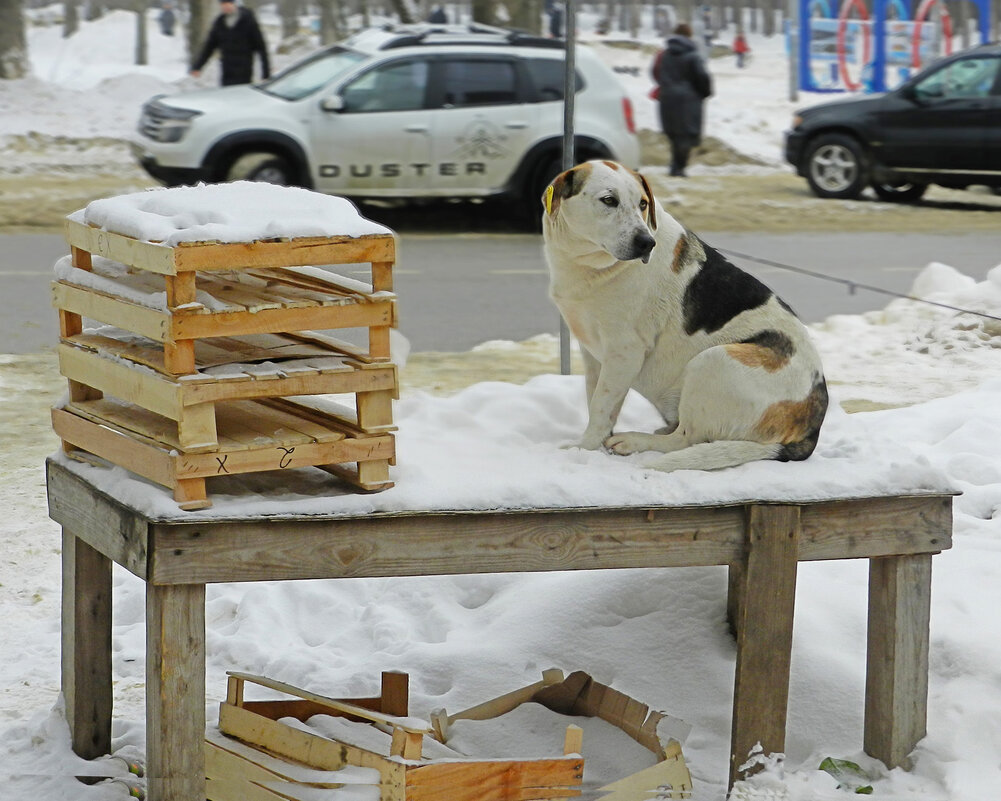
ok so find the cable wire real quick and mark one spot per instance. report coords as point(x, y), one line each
point(853, 285)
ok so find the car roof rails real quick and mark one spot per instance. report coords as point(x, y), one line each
point(413, 35)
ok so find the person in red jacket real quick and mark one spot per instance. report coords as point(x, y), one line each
point(237, 36)
point(741, 48)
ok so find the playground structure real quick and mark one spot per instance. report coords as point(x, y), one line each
point(853, 47)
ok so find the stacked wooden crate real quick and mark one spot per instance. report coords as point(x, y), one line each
point(213, 376)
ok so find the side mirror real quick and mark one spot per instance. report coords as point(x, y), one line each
point(333, 103)
point(909, 93)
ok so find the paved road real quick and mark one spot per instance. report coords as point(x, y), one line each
point(456, 291)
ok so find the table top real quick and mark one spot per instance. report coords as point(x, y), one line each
point(187, 551)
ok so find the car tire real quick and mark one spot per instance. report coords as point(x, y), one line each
point(836, 167)
point(899, 193)
point(263, 167)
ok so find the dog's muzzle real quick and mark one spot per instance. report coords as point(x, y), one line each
point(642, 245)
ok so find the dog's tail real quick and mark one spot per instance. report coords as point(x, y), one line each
point(715, 455)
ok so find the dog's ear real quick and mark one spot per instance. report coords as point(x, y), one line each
point(650, 200)
point(566, 184)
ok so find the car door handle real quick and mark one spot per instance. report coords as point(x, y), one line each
point(516, 125)
point(416, 129)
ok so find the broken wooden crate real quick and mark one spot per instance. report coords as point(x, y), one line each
point(408, 769)
point(176, 414)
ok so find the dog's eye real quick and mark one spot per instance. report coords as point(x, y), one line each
point(643, 204)
point(610, 200)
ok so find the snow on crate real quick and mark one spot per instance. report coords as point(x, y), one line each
point(244, 211)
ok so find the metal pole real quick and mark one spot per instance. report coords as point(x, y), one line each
point(794, 51)
point(569, 88)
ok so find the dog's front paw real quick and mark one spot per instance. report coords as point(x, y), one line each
point(628, 442)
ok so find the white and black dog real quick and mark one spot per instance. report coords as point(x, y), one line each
point(726, 363)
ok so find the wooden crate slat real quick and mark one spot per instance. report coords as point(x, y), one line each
point(301, 251)
point(150, 256)
point(151, 323)
point(333, 285)
point(203, 325)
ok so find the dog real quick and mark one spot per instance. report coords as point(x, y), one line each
point(726, 363)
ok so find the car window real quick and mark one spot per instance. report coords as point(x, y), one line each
point(548, 77)
point(307, 76)
point(478, 82)
point(396, 86)
point(968, 78)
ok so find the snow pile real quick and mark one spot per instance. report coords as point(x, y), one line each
point(243, 211)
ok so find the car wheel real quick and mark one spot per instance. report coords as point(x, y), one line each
point(835, 167)
point(899, 193)
point(265, 167)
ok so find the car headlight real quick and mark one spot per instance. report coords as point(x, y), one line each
point(163, 123)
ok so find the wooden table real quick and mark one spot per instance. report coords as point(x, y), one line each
point(760, 542)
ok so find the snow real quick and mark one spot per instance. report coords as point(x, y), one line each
point(658, 635)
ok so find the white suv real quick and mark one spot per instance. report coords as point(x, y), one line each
point(404, 112)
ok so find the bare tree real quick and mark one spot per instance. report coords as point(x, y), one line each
point(201, 13)
point(142, 40)
point(406, 10)
point(13, 43)
point(331, 29)
point(288, 11)
point(71, 17)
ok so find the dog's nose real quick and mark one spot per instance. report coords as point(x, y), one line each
point(643, 243)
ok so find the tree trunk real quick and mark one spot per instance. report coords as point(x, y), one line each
point(71, 18)
point(525, 15)
point(330, 29)
point(406, 11)
point(768, 29)
point(288, 11)
point(94, 10)
point(13, 44)
point(142, 40)
point(484, 12)
point(201, 15)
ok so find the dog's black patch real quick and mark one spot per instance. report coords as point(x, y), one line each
point(798, 451)
point(718, 292)
point(775, 341)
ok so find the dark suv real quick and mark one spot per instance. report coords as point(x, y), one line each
point(943, 126)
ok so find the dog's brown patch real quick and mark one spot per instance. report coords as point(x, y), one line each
point(567, 184)
point(613, 164)
point(756, 356)
point(768, 349)
point(789, 422)
point(681, 248)
point(651, 208)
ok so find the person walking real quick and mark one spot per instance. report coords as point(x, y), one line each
point(683, 83)
point(237, 36)
point(167, 19)
point(741, 48)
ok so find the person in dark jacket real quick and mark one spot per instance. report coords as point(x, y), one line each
point(237, 36)
point(683, 83)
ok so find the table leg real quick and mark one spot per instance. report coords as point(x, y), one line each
point(764, 604)
point(86, 646)
point(896, 681)
point(175, 692)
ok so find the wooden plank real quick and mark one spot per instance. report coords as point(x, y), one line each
point(896, 686)
point(668, 779)
point(200, 326)
point(100, 521)
point(180, 289)
point(375, 409)
point(496, 780)
point(308, 748)
point(229, 758)
point(70, 324)
point(443, 543)
point(395, 693)
point(151, 323)
point(340, 707)
point(196, 428)
point(764, 633)
point(149, 256)
point(573, 741)
point(81, 259)
point(86, 646)
point(878, 526)
point(136, 386)
point(301, 251)
point(382, 276)
point(175, 692)
point(508, 702)
point(115, 446)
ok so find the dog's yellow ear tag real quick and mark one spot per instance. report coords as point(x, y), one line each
point(549, 199)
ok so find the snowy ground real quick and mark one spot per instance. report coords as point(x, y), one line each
point(659, 635)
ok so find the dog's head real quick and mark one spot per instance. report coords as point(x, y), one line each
point(605, 204)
